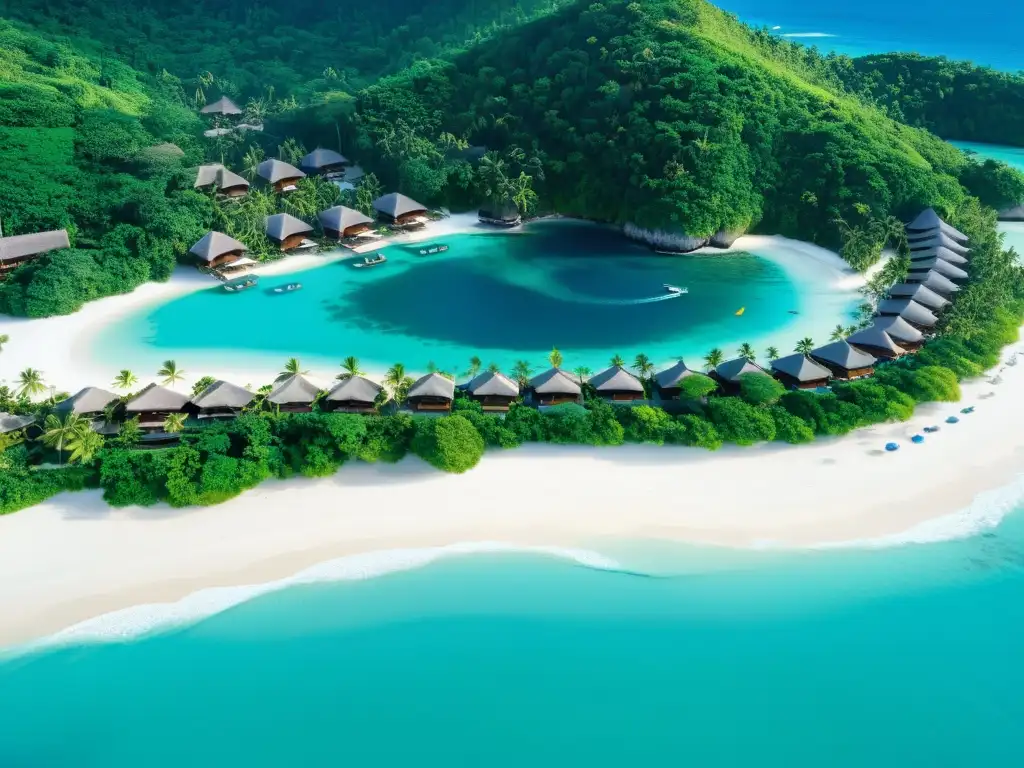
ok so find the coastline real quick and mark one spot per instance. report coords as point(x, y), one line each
point(74, 558)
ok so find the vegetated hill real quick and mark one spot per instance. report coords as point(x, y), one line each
point(667, 114)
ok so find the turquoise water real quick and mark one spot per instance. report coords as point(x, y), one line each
point(503, 297)
point(1013, 231)
point(890, 657)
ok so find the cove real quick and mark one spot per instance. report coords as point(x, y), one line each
point(502, 297)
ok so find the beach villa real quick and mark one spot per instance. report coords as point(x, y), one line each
point(844, 361)
point(279, 175)
point(933, 281)
point(20, 249)
point(493, 390)
point(400, 211)
point(928, 224)
point(355, 394)
point(668, 383)
point(728, 373)
point(221, 253)
point(554, 387)
point(937, 240)
point(431, 393)
point(222, 107)
point(939, 252)
point(800, 372)
point(294, 394)
point(91, 404)
point(152, 406)
point(618, 385)
point(341, 222)
point(220, 400)
point(902, 332)
point(324, 162)
point(224, 182)
point(915, 314)
point(10, 423)
point(922, 294)
point(941, 266)
point(288, 232)
point(875, 341)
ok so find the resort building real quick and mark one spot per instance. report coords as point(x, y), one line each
point(324, 162)
point(281, 176)
point(909, 310)
point(937, 241)
point(356, 394)
point(288, 232)
point(668, 383)
point(20, 249)
point(928, 223)
point(10, 423)
point(399, 210)
point(432, 392)
point(294, 394)
point(900, 331)
point(223, 181)
point(506, 215)
point(221, 253)
point(341, 222)
point(554, 387)
point(944, 268)
point(728, 373)
point(493, 390)
point(800, 372)
point(845, 362)
point(922, 294)
point(618, 385)
point(91, 404)
point(938, 252)
point(933, 281)
point(152, 406)
point(220, 400)
point(222, 107)
point(875, 341)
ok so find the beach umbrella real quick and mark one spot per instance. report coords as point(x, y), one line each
point(967, 410)
point(952, 420)
point(917, 439)
point(892, 447)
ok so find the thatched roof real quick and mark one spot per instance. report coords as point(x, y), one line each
point(215, 244)
point(731, 370)
point(357, 388)
point(216, 175)
point(933, 281)
point(670, 377)
point(321, 158)
point(841, 354)
point(939, 252)
point(20, 246)
point(294, 389)
point(493, 383)
point(222, 394)
point(941, 266)
point(156, 398)
point(899, 329)
point(801, 368)
point(228, 178)
point(937, 241)
point(88, 400)
point(922, 294)
point(929, 220)
point(555, 381)
point(909, 310)
point(615, 379)
point(11, 423)
point(222, 106)
point(876, 337)
point(274, 170)
point(281, 226)
point(396, 204)
point(340, 218)
point(433, 385)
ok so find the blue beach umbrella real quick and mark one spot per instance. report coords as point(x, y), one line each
point(892, 447)
point(917, 439)
point(952, 420)
point(967, 410)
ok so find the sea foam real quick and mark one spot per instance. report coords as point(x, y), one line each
point(807, 34)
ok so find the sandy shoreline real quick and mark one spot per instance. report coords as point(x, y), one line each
point(74, 558)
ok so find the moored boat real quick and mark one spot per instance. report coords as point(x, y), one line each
point(241, 284)
point(371, 261)
point(288, 288)
point(432, 248)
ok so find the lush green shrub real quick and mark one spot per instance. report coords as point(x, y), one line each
point(644, 424)
point(698, 432)
point(605, 428)
point(926, 384)
point(789, 428)
point(450, 443)
point(569, 424)
point(526, 423)
point(26, 488)
point(760, 389)
point(697, 386)
point(739, 422)
point(388, 438)
point(131, 478)
point(877, 401)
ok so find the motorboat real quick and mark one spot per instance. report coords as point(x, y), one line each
point(241, 284)
point(675, 289)
point(288, 288)
point(371, 261)
point(432, 248)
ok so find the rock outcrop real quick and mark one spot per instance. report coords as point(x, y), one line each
point(724, 239)
point(665, 240)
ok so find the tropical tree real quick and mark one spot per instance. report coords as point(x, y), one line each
point(713, 359)
point(617, 362)
point(582, 373)
point(57, 433)
point(398, 381)
point(170, 373)
point(174, 423)
point(251, 161)
point(772, 353)
point(291, 368)
point(522, 371)
point(475, 364)
point(30, 383)
point(555, 358)
point(291, 151)
point(84, 445)
point(125, 379)
point(4, 338)
point(202, 384)
point(747, 352)
point(349, 368)
point(493, 368)
point(805, 346)
point(643, 366)
point(838, 333)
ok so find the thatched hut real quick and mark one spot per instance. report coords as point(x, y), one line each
point(668, 383)
point(399, 210)
point(923, 295)
point(618, 385)
point(89, 403)
point(800, 372)
point(928, 222)
point(493, 390)
point(875, 341)
point(294, 394)
point(153, 405)
point(845, 362)
point(432, 392)
point(286, 231)
point(12, 423)
point(900, 331)
point(355, 394)
point(217, 250)
point(324, 162)
point(224, 182)
point(933, 281)
point(909, 310)
point(554, 387)
point(939, 240)
point(938, 252)
point(944, 268)
point(341, 222)
point(21, 249)
point(222, 107)
point(220, 400)
point(728, 373)
point(281, 176)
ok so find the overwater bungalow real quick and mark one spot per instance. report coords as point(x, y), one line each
point(938, 252)
point(221, 253)
point(281, 176)
point(554, 387)
point(800, 372)
point(900, 331)
point(324, 162)
point(928, 223)
point(618, 385)
point(356, 394)
point(399, 210)
point(933, 281)
point(944, 268)
point(938, 241)
point(845, 361)
point(506, 215)
point(342, 222)
point(668, 383)
point(493, 390)
point(875, 341)
point(728, 373)
point(224, 182)
point(222, 107)
point(294, 394)
point(10, 423)
point(432, 392)
point(922, 294)
point(21, 249)
point(909, 310)
point(288, 232)
point(152, 406)
point(220, 400)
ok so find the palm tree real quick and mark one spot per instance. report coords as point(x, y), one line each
point(30, 383)
point(84, 445)
point(350, 368)
point(291, 368)
point(555, 358)
point(125, 379)
point(174, 423)
point(170, 373)
point(617, 362)
point(475, 364)
point(805, 346)
point(57, 433)
point(582, 373)
point(850, 330)
point(4, 338)
point(493, 368)
point(522, 371)
point(838, 334)
point(398, 381)
point(643, 365)
point(713, 359)
point(772, 353)
point(746, 351)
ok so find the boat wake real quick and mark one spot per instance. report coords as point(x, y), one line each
point(630, 302)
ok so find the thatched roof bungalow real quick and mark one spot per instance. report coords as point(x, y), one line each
point(944, 268)
point(294, 394)
point(153, 405)
point(937, 241)
point(900, 331)
point(938, 252)
point(20, 249)
point(800, 372)
point(554, 387)
point(399, 210)
point(11, 423)
point(728, 373)
point(88, 403)
point(923, 295)
point(909, 310)
point(324, 162)
point(933, 281)
point(356, 394)
point(286, 231)
point(220, 400)
point(223, 181)
point(617, 384)
point(281, 176)
point(217, 250)
point(928, 222)
point(845, 362)
point(341, 222)
point(875, 341)
point(493, 390)
point(432, 392)
point(668, 383)
point(222, 107)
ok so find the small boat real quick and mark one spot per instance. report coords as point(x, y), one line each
point(793, 312)
point(241, 284)
point(740, 311)
point(675, 289)
point(288, 288)
point(432, 248)
point(371, 261)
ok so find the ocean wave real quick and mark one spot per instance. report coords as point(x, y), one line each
point(134, 622)
point(807, 34)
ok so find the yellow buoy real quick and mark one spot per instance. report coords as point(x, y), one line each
point(740, 311)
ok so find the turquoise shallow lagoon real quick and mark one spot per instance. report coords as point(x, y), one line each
point(1013, 231)
point(503, 297)
point(886, 657)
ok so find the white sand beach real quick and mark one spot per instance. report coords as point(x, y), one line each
point(75, 558)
